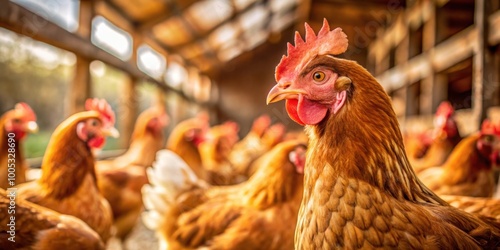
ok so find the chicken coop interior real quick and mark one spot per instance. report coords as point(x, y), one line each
point(217, 60)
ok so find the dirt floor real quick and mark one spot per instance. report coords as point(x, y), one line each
point(141, 238)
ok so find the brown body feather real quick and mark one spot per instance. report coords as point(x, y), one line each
point(43, 229)
point(489, 207)
point(257, 214)
point(186, 149)
point(466, 172)
point(68, 183)
point(121, 179)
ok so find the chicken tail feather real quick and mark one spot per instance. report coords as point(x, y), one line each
point(169, 177)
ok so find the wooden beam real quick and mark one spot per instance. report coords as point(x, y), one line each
point(201, 35)
point(103, 8)
point(484, 90)
point(81, 88)
point(153, 21)
point(428, 98)
point(446, 54)
point(128, 109)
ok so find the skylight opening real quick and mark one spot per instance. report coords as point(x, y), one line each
point(111, 38)
point(150, 61)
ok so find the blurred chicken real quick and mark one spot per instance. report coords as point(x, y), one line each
point(147, 138)
point(185, 139)
point(444, 138)
point(260, 139)
point(37, 227)
point(249, 148)
point(360, 191)
point(417, 143)
point(257, 214)
point(489, 207)
point(14, 126)
point(68, 183)
point(121, 179)
point(469, 169)
point(214, 151)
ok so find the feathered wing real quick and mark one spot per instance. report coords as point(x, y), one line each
point(40, 228)
point(489, 207)
point(169, 178)
point(366, 217)
point(198, 226)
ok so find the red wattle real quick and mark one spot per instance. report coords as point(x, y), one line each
point(304, 111)
point(311, 113)
point(96, 142)
point(291, 109)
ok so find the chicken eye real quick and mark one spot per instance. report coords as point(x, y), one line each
point(318, 76)
point(94, 123)
point(488, 138)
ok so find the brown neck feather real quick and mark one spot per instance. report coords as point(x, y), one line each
point(142, 150)
point(68, 159)
point(185, 149)
point(465, 162)
point(363, 140)
point(276, 181)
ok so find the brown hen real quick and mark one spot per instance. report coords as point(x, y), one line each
point(360, 191)
point(469, 169)
point(37, 227)
point(14, 126)
point(68, 183)
point(257, 214)
point(444, 138)
point(121, 179)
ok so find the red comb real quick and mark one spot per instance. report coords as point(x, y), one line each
point(25, 110)
point(101, 106)
point(489, 127)
point(445, 109)
point(232, 126)
point(325, 43)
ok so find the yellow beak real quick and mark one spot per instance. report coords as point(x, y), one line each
point(278, 93)
point(111, 132)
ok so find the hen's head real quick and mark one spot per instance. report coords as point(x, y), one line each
point(260, 124)
point(488, 143)
point(306, 78)
point(152, 120)
point(444, 123)
point(193, 130)
point(20, 121)
point(220, 139)
point(94, 130)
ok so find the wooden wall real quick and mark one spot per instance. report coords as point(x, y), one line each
point(440, 50)
point(245, 82)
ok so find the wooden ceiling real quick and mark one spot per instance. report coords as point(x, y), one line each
point(210, 33)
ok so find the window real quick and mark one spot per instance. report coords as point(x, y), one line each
point(150, 62)
point(63, 13)
point(111, 38)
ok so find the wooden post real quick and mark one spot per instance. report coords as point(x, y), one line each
point(484, 87)
point(434, 85)
point(402, 55)
point(80, 88)
point(428, 41)
point(128, 110)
